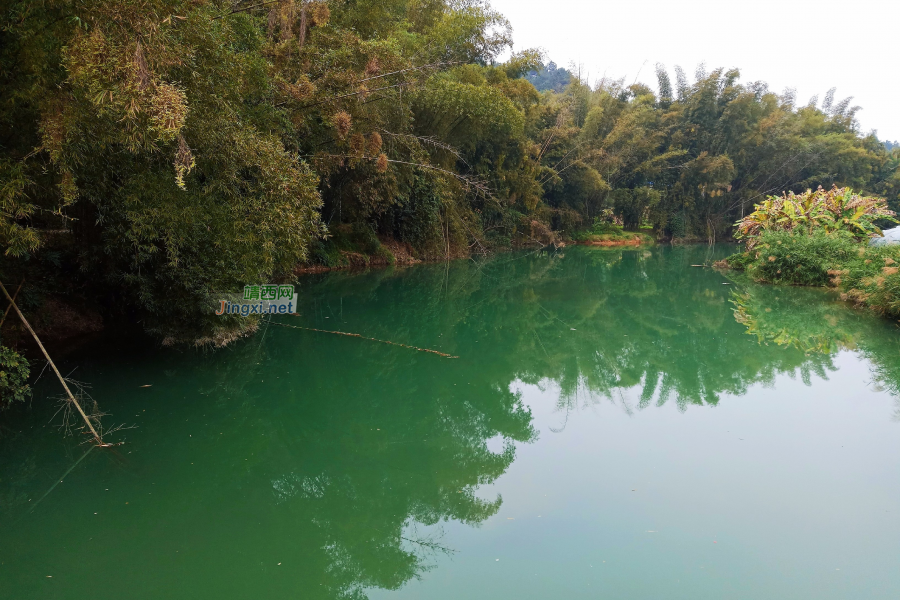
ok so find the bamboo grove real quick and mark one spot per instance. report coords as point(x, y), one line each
point(154, 153)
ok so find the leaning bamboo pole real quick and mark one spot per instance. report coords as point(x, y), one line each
point(62, 380)
point(9, 308)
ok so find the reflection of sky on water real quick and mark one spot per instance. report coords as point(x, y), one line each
point(788, 491)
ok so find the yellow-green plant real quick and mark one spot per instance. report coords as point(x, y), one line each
point(837, 209)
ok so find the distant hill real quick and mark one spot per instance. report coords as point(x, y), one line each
point(550, 77)
point(887, 144)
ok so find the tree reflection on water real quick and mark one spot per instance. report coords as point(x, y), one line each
point(327, 456)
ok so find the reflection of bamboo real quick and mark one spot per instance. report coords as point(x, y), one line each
point(72, 399)
point(60, 480)
point(362, 337)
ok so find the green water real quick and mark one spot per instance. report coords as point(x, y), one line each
point(618, 424)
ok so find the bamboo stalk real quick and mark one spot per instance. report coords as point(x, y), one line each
point(9, 308)
point(302, 23)
point(12, 302)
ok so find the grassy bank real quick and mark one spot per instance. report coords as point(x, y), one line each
point(607, 234)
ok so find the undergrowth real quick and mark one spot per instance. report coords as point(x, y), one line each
point(351, 245)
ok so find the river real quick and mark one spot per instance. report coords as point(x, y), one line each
point(618, 424)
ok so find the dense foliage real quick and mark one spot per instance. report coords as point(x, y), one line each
point(694, 158)
point(156, 153)
point(826, 211)
point(14, 371)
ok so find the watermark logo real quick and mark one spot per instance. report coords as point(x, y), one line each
point(263, 299)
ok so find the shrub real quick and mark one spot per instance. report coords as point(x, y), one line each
point(798, 257)
point(14, 373)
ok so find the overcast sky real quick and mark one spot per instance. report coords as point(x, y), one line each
point(811, 46)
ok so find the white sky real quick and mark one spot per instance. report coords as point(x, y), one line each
point(811, 46)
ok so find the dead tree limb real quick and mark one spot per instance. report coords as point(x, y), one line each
point(62, 380)
point(237, 10)
point(9, 308)
point(362, 337)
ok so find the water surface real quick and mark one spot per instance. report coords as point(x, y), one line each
point(619, 424)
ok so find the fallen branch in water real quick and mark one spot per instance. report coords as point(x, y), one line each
point(62, 380)
point(362, 337)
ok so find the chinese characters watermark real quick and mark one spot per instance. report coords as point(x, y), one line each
point(262, 299)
